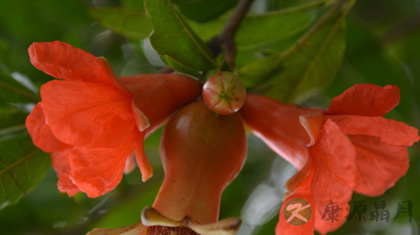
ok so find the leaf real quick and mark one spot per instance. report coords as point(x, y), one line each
point(13, 91)
point(11, 117)
point(133, 4)
point(131, 23)
point(204, 10)
point(22, 165)
point(308, 66)
point(269, 35)
point(173, 37)
point(258, 30)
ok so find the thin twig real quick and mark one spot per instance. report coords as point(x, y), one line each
point(223, 42)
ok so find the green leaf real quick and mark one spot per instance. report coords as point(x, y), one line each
point(131, 23)
point(258, 30)
point(308, 66)
point(269, 35)
point(178, 66)
point(204, 10)
point(133, 4)
point(13, 91)
point(22, 165)
point(261, 29)
point(173, 37)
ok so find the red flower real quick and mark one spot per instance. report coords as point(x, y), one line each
point(91, 121)
point(201, 152)
point(334, 150)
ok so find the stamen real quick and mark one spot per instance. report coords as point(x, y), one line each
point(161, 230)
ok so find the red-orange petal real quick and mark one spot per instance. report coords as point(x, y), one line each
point(389, 131)
point(379, 165)
point(334, 177)
point(141, 158)
point(313, 124)
point(278, 125)
point(87, 114)
point(97, 171)
point(62, 60)
point(285, 228)
point(157, 96)
point(322, 225)
point(366, 100)
point(60, 163)
point(40, 132)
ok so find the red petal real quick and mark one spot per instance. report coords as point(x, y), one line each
point(64, 61)
point(390, 131)
point(60, 163)
point(322, 225)
point(313, 124)
point(41, 133)
point(66, 185)
point(334, 178)
point(97, 171)
point(159, 95)
point(142, 161)
point(130, 164)
point(366, 100)
point(328, 177)
point(87, 114)
point(285, 228)
point(278, 125)
point(379, 165)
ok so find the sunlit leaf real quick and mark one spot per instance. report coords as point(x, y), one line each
point(174, 38)
point(204, 10)
point(306, 67)
point(130, 23)
point(22, 165)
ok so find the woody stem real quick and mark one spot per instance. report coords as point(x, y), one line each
point(224, 42)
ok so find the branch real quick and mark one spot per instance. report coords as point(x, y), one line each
point(223, 42)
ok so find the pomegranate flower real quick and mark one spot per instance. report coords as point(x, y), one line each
point(211, 149)
point(334, 149)
point(91, 121)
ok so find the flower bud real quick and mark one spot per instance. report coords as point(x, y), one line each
point(224, 93)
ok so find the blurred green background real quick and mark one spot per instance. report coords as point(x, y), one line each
point(383, 47)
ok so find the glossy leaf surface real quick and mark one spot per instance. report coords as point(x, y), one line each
point(173, 37)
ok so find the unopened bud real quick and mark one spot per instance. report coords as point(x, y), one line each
point(224, 93)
